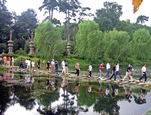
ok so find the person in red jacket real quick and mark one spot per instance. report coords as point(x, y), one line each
point(101, 70)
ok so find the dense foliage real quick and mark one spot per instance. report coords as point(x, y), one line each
point(106, 38)
point(48, 40)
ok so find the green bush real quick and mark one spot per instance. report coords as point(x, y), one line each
point(21, 52)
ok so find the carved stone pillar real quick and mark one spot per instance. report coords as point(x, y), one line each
point(10, 44)
point(31, 45)
point(69, 45)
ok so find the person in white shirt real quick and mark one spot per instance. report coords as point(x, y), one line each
point(13, 61)
point(108, 66)
point(107, 91)
point(53, 66)
point(26, 63)
point(63, 67)
point(118, 70)
point(144, 73)
point(29, 64)
point(90, 70)
point(33, 65)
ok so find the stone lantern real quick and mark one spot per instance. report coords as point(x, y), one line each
point(69, 45)
point(31, 46)
point(10, 44)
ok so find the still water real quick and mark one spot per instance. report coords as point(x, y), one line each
point(48, 95)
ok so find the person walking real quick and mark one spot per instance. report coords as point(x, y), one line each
point(56, 67)
point(1, 59)
point(77, 67)
point(66, 66)
point(38, 65)
point(129, 73)
point(113, 72)
point(63, 67)
point(118, 70)
point(144, 73)
point(13, 60)
point(108, 66)
point(101, 67)
point(48, 66)
point(90, 70)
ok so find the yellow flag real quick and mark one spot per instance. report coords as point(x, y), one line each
point(136, 4)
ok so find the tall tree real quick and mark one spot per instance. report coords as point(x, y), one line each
point(141, 44)
point(24, 25)
point(49, 44)
point(5, 22)
point(89, 40)
point(49, 6)
point(108, 16)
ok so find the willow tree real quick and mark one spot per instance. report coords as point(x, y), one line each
point(89, 40)
point(141, 44)
point(48, 40)
point(117, 45)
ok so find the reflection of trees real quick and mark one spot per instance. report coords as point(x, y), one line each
point(47, 98)
point(86, 98)
point(24, 96)
point(4, 99)
point(108, 105)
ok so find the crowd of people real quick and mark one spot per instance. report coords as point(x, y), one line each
point(116, 72)
point(53, 67)
point(6, 61)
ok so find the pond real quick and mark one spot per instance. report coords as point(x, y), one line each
point(63, 96)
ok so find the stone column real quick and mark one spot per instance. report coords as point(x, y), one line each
point(10, 44)
point(31, 45)
point(69, 45)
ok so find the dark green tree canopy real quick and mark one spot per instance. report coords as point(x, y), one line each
point(108, 17)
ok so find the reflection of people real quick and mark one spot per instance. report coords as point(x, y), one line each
point(90, 88)
point(141, 99)
point(100, 90)
point(115, 90)
point(107, 90)
point(64, 83)
point(144, 73)
point(76, 88)
point(128, 93)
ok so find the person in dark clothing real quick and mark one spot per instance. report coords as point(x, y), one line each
point(56, 67)
point(113, 72)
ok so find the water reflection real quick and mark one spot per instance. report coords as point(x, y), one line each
point(54, 95)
